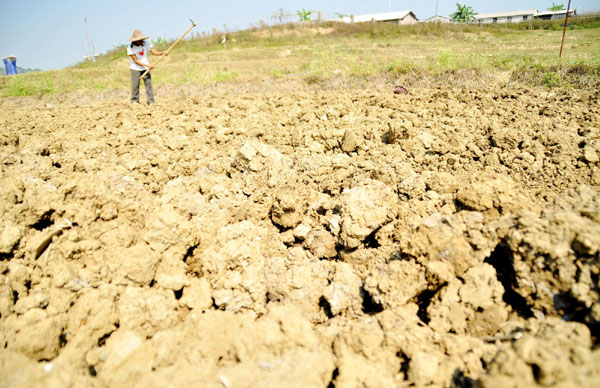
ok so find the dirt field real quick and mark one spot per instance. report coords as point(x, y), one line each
point(302, 239)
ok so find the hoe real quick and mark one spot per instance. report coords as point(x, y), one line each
point(173, 45)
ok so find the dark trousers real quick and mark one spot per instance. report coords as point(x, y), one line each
point(135, 86)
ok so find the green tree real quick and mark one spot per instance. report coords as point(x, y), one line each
point(304, 15)
point(556, 7)
point(341, 15)
point(463, 13)
point(159, 41)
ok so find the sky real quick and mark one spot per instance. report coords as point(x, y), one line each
point(50, 34)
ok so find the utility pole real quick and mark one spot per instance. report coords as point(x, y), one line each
point(436, 7)
point(89, 56)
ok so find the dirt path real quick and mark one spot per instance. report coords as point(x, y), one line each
point(310, 239)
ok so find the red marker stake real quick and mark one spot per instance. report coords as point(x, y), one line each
point(564, 29)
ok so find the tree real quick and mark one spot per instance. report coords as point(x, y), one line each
point(341, 15)
point(304, 15)
point(463, 13)
point(158, 41)
point(556, 7)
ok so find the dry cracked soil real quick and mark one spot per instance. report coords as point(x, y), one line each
point(337, 239)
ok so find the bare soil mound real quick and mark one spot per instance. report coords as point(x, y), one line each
point(442, 238)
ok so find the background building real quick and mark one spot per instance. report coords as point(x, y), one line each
point(399, 17)
point(520, 16)
point(438, 19)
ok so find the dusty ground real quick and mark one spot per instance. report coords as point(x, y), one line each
point(302, 239)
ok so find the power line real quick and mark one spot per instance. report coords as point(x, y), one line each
point(91, 56)
point(87, 41)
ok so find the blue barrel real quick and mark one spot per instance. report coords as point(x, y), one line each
point(11, 65)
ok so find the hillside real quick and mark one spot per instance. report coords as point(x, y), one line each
point(334, 55)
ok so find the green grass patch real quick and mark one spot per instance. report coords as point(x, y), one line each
point(224, 77)
point(445, 60)
point(19, 85)
point(398, 68)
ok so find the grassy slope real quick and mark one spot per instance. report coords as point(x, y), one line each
point(318, 54)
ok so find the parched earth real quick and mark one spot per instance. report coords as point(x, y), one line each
point(444, 238)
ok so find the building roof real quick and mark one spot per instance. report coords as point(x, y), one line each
point(561, 12)
point(381, 17)
point(506, 14)
point(437, 17)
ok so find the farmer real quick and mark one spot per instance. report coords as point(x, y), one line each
point(138, 52)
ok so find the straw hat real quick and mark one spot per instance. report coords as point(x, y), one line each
point(137, 35)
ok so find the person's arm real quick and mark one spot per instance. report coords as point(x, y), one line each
point(158, 52)
point(150, 67)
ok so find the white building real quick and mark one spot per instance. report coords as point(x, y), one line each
point(399, 17)
point(520, 16)
point(505, 17)
point(551, 15)
point(438, 19)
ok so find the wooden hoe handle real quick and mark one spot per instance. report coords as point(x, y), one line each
point(173, 45)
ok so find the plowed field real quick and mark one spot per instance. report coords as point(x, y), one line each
point(448, 237)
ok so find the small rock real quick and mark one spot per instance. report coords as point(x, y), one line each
point(139, 264)
point(423, 369)
point(441, 271)
point(34, 300)
point(18, 276)
point(127, 356)
point(109, 211)
point(364, 209)
point(344, 290)
point(301, 231)
point(426, 139)
point(587, 242)
point(9, 238)
point(284, 211)
point(288, 238)
point(197, 294)
point(581, 292)
point(222, 135)
point(40, 339)
point(349, 141)
point(590, 155)
point(432, 195)
point(322, 244)
point(247, 151)
point(172, 271)
point(334, 224)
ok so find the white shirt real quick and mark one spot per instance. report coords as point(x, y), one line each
point(141, 53)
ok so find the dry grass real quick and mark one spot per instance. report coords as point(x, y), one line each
point(342, 55)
